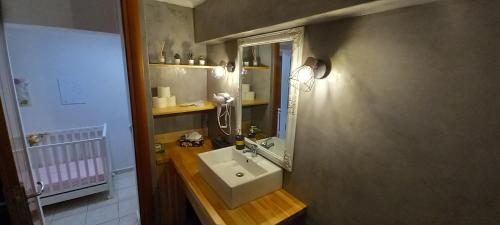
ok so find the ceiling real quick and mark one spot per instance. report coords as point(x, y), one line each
point(185, 3)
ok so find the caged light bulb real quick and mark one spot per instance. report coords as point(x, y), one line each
point(305, 74)
point(219, 71)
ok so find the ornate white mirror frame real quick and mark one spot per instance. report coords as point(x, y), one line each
point(296, 36)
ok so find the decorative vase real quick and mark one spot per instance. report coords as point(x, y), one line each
point(162, 59)
point(255, 63)
point(202, 62)
point(191, 62)
point(177, 61)
point(246, 63)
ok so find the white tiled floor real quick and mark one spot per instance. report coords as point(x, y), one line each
point(98, 209)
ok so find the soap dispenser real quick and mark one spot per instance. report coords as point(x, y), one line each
point(239, 140)
point(253, 133)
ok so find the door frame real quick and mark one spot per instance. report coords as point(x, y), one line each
point(14, 192)
point(141, 123)
point(18, 188)
point(140, 107)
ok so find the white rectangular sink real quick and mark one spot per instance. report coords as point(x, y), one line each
point(239, 178)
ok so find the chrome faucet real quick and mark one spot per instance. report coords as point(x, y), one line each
point(253, 148)
point(266, 144)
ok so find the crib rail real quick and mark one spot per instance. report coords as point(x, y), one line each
point(71, 159)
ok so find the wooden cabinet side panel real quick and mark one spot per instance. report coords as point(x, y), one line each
point(172, 202)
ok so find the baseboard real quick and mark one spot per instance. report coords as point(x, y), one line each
point(49, 200)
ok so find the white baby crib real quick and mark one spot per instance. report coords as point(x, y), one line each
point(72, 163)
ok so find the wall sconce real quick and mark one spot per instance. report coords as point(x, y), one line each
point(303, 77)
point(220, 70)
point(230, 67)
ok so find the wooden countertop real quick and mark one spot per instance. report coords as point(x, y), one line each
point(183, 109)
point(272, 208)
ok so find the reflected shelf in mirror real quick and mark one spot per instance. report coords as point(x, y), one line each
point(182, 66)
point(262, 67)
point(254, 102)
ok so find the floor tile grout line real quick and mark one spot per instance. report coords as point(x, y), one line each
point(87, 208)
point(109, 221)
point(130, 183)
point(86, 214)
point(118, 203)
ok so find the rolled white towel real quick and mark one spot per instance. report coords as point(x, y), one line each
point(163, 92)
point(245, 88)
point(250, 95)
point(160, 102)
point(171, 101)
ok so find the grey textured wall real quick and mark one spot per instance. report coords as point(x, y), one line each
point(226, 52)
point(174, 25)
point(94, 15)
point(407, 129)
point(219, 18)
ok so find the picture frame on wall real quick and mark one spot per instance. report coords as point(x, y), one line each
point(22, 91)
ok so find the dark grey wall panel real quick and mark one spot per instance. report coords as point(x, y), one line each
point(407, 128)
point(218, 18)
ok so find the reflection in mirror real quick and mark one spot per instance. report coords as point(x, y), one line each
point(264, 94)
point(266, 107)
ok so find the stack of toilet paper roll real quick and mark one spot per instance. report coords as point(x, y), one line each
point(246, 93)
point(164, 98)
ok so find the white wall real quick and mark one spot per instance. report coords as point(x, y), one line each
point(42, 55)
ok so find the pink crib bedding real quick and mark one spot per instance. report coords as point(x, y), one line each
point(71, 179)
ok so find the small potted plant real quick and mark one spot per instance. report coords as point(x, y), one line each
point(254, 56)
point(247, 60)
point(190, 58)
point(201, 60)
point(177, 58)
point(162, 52)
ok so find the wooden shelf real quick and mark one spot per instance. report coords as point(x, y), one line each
point(256, 67)
point(182, 66)
point(182, 109)
point(254, 102)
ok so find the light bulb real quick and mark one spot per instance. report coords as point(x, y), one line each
point(219, 71)
point(305, 74)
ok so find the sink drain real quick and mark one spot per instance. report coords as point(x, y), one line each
point(240, 174)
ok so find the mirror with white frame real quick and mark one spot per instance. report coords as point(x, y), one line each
point(266, 108)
